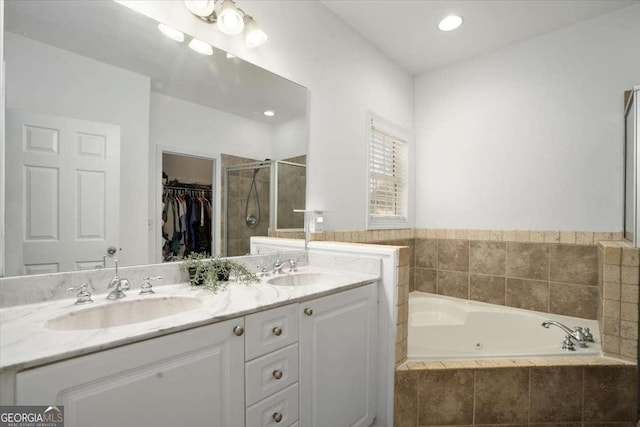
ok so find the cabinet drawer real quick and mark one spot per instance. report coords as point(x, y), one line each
point(282, 404)
point(271, 373)
point(270, 330)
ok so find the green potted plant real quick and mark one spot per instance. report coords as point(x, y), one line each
point(213, 273)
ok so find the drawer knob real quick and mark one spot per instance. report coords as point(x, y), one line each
point(277, 417)
point(238, 330)
point(277, 331)
point(308, 311)
point(277, 374)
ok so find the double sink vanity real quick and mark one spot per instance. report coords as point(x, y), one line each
point(298, 348)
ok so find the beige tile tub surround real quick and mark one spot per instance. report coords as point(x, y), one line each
point(618, 278)
point(548, 277)
point(592, 390)
point(550, 271)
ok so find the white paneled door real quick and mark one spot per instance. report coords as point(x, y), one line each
point(62, 192)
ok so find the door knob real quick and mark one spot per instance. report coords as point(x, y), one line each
point(308, 311)
point(238, 330)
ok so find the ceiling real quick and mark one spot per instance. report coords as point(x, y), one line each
point(114, 34)
point(407, 31)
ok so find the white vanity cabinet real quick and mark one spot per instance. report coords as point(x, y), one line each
point(309, 364)
point(271, 368)
point(338, 359)
point(192, 378)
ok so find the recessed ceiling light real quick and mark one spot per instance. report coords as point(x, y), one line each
point(172, 33)
point(201, 47)
point(269, 113)
point(450, 23)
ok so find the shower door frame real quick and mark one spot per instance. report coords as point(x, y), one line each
point(632, 113)
point(273, 166)
point(225, 196)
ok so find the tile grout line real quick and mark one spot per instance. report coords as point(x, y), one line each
point(506, 267)
point(473, 413)
point(469, 270)
point(549, 277)
point(582, 398)
point(529, 411)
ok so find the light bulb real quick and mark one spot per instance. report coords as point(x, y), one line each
point(269, 113)
point(202, 8)
point(172, 33)
point(253, 34)
point(450, 23)
point(201, 47)
point(230, 19)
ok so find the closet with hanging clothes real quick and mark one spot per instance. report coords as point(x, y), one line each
point(187, 206)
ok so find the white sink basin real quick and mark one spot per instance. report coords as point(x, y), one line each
point(301, 279)
point(119, 313)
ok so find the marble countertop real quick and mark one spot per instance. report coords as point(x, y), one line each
point(26, 341)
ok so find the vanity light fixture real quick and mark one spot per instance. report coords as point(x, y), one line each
point(269, 113)
point(172, 33)
point(201, 47)
point(450, 23)
point(229, 19)
point(203, 9)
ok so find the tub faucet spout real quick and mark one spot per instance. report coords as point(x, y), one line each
point(577, 333)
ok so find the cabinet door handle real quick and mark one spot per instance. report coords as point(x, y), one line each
point(277, 331)
point(277, 417)
point(238, 330)
point(308, 311)
point(277, 374)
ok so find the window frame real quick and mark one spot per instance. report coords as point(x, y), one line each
point(401, 136)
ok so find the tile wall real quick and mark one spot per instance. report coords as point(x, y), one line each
point(553, 278)
point(619, 275)
point(580, 395)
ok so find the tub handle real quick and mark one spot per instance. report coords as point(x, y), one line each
point(567, 344)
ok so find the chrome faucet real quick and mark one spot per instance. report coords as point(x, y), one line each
point(582, 336)
point(279, 265)
point(118, 284)
point(84, 295)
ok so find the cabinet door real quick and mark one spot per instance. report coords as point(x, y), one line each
point(338, 359)
point(191, 378)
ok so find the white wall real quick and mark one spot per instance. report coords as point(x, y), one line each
point(187, 169)
point(184, 127)
point(529, 136)
point(45, 79)
point(182, 124)
point(346, 77)
point(290, 138)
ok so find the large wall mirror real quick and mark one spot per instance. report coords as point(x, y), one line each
point(118, 136)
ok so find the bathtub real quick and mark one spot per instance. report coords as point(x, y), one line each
point(449, 328)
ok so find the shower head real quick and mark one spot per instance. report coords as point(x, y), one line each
point(264, 163)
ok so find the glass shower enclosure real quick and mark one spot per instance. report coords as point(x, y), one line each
point(258, 198)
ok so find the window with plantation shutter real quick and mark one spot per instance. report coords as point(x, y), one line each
point(387, 177)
